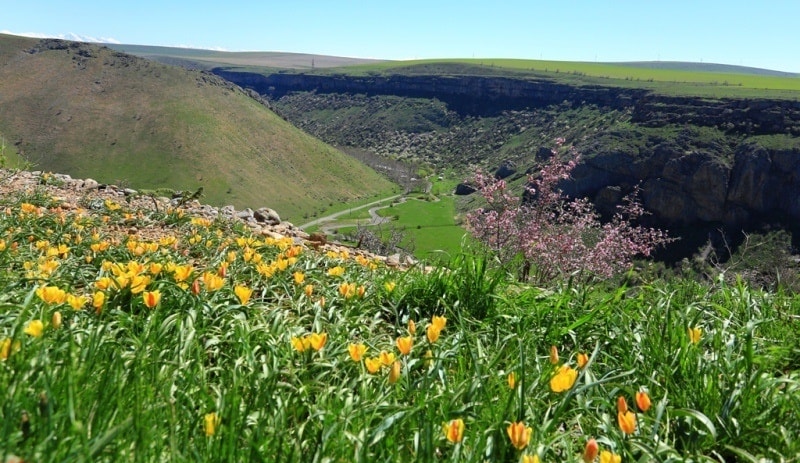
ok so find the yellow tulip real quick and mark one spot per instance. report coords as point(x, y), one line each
point(695, 334)
point(519, 434)
point(412, 327)
point(608, 457)
point(438, 322)
point(76, 302)
point(583, 359)
point(564, 379)
point(55, 320)
point(373, 364)
point(7, 348)
point(404, 344)
point(387, 358)
point(454, 430)
point(308, 290)
point(98, 299)
point(34, 328)
point(530, 458)
point(212, 281)
point(627, 422)
point(299, 277)
point(317, 340)
point(432, 333)
point(51, 294)
point(512, 380)
point(336, 271)
point(394, 372)
point(151, 298)
point(554, 355)
point(356, 351)
point(298, 344)
point(243, 293)
point(210, 423)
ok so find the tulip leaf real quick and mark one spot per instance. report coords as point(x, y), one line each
point(387, 423)
point(699, 417)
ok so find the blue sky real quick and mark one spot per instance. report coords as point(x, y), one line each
point(758, 33)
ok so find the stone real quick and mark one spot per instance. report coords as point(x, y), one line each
point(267, 215)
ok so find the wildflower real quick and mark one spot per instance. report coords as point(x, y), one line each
point(299, 277)
point(454, 430)
point(387, 358)
point(622, 405)
point(373, 364)
point(155, 268)
point(519, 434)
point(428, 358)
point(76, 302)
point(34, 328)
point(512, 380)
point(212, 281)
point(356, 351)
point(695, 334)
point(51, 294)
point(412, 327)
point(139, 283)
point(404, 344)
point(210, 423)
point(627, 422)
point(55, 320)
point(361, 290)
point(433, 333)
point(299, 344)
point(583, 359)
point(590, 452)
point(98, 299)
point(151, 298)
point(182, 272)
point(389, 286)
point(609, 457)
point(438, 322)
point(347, 290)
point(530, 458)
point(643, 401)
point(564, 379)
point(7, 348)
point(317, 340)
point(554, 355)
point(394, 372)
point(243, 293)
point(308, 290)
point(336, 271)
point(196, 286)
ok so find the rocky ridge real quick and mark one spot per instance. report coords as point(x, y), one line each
point(87, 194)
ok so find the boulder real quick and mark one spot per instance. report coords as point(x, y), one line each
point(267, 216)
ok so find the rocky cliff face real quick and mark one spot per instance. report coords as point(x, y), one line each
point(730, 162)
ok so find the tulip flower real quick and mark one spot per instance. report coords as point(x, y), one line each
point(373, 364)
point(695, 334)
point(387, 358)
point(608, 457)
point(433, 333)
point(519, 434)
point(622, 405)
point(356, 351)
point(412, 327)
point(394, 372)
point(404, 344)
point(583, 359)
point(512, 380)
point(530, 458)
point(317, 340)
point(76, 302)
point(55, 320)
point(438, 322)
point(563, 379)
point(554, 355)
point(627, 422)
point(454, 430)
point(643, 401)
point(299, 344)
point(151, 298)
point(299, 277)
point(210, 423)
point(34, 328)
point(243, 293)
point(51, 294)
point(590, 452)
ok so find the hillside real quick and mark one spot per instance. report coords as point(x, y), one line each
point(89, 111)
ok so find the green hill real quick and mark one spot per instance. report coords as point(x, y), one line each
point(90, 111)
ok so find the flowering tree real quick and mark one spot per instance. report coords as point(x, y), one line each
point(555, 235)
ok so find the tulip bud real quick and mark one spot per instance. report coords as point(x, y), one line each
point(55, 321)
point(554, 355)
point(590, 452)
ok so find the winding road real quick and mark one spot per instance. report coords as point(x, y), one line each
point(333, 216)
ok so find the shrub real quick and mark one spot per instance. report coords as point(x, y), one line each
point(556, 235)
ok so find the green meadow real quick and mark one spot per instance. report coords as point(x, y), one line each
point(197, 341)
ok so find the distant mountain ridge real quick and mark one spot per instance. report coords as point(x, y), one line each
point(707, 67)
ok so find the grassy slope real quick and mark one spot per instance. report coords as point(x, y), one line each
point(122, 119)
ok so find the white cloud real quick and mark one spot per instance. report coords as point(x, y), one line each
point(68, 36)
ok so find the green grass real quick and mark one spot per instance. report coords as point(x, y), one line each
point(121, 119)
point(429, 224)
point(207, 376)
